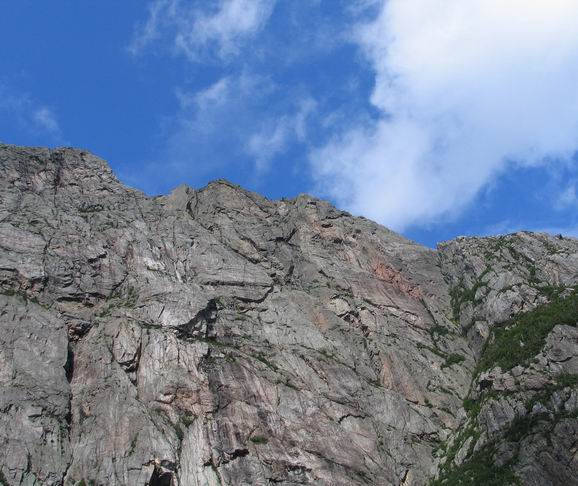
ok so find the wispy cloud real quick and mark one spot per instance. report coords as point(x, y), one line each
point(162, 14)
point(228, 119)
point(30, 115)
point(250, 115)
point(45, 119)
point(464, 90)
point(226, 130)
point(212, 124)
point(204, 29)
point(568, 197)
point(272, 139)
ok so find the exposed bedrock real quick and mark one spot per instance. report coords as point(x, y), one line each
point(214, 337)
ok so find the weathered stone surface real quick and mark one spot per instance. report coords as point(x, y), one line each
point(214, 337)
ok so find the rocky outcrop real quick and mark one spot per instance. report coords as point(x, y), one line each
point(213, 337)
point(515, 298)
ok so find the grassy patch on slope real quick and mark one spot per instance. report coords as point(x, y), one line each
point(479, 469)
point(520, 339)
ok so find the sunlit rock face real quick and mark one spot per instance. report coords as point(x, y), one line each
point(214, 337)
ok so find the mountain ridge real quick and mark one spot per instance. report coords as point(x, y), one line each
point(214, 336)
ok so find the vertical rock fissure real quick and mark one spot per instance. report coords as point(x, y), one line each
point(69, 372)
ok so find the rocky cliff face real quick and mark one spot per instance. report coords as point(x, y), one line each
point(213, 337)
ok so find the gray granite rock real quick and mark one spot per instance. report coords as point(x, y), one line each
point(214, 337)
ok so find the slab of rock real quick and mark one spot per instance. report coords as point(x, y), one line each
point(214, 337)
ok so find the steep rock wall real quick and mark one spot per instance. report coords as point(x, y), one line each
point(214, 337)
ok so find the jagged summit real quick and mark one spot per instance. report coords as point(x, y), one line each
point(212, 337)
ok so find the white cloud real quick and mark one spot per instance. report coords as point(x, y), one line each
point(228, 116)
point(567, 198)
point(161, 14)
point(29, 114)
point(464, 90)
point(46, 119)
point(216, 28)
point(198, 139)
point(273, 138)
point(225, 129)
point(211, 122)
point(213, 125)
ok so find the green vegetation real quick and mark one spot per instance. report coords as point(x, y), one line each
point(506, 243)
point(479, 469)
point(82, 482)
point(521, 426)
point(520, 339)
point(259, 439)
point(552, 249)
point(460, 294)
point(512, 343)
point(431, 349)
point(166, 420)
point(449, 451)
point(566, 380)
point(131, 297)
point(439, 330)
point(178, 431)
point(188, 420)
point(10, 292)
point(548, 291)
point(263, 359)
point(497, 244)
point(133, 444)
point(472, 407)
point(21, 294)
point(117, 300)
point(479, 466)
point(543, 396)
point(453, 359)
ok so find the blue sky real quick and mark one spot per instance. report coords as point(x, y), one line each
point(436, 119)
